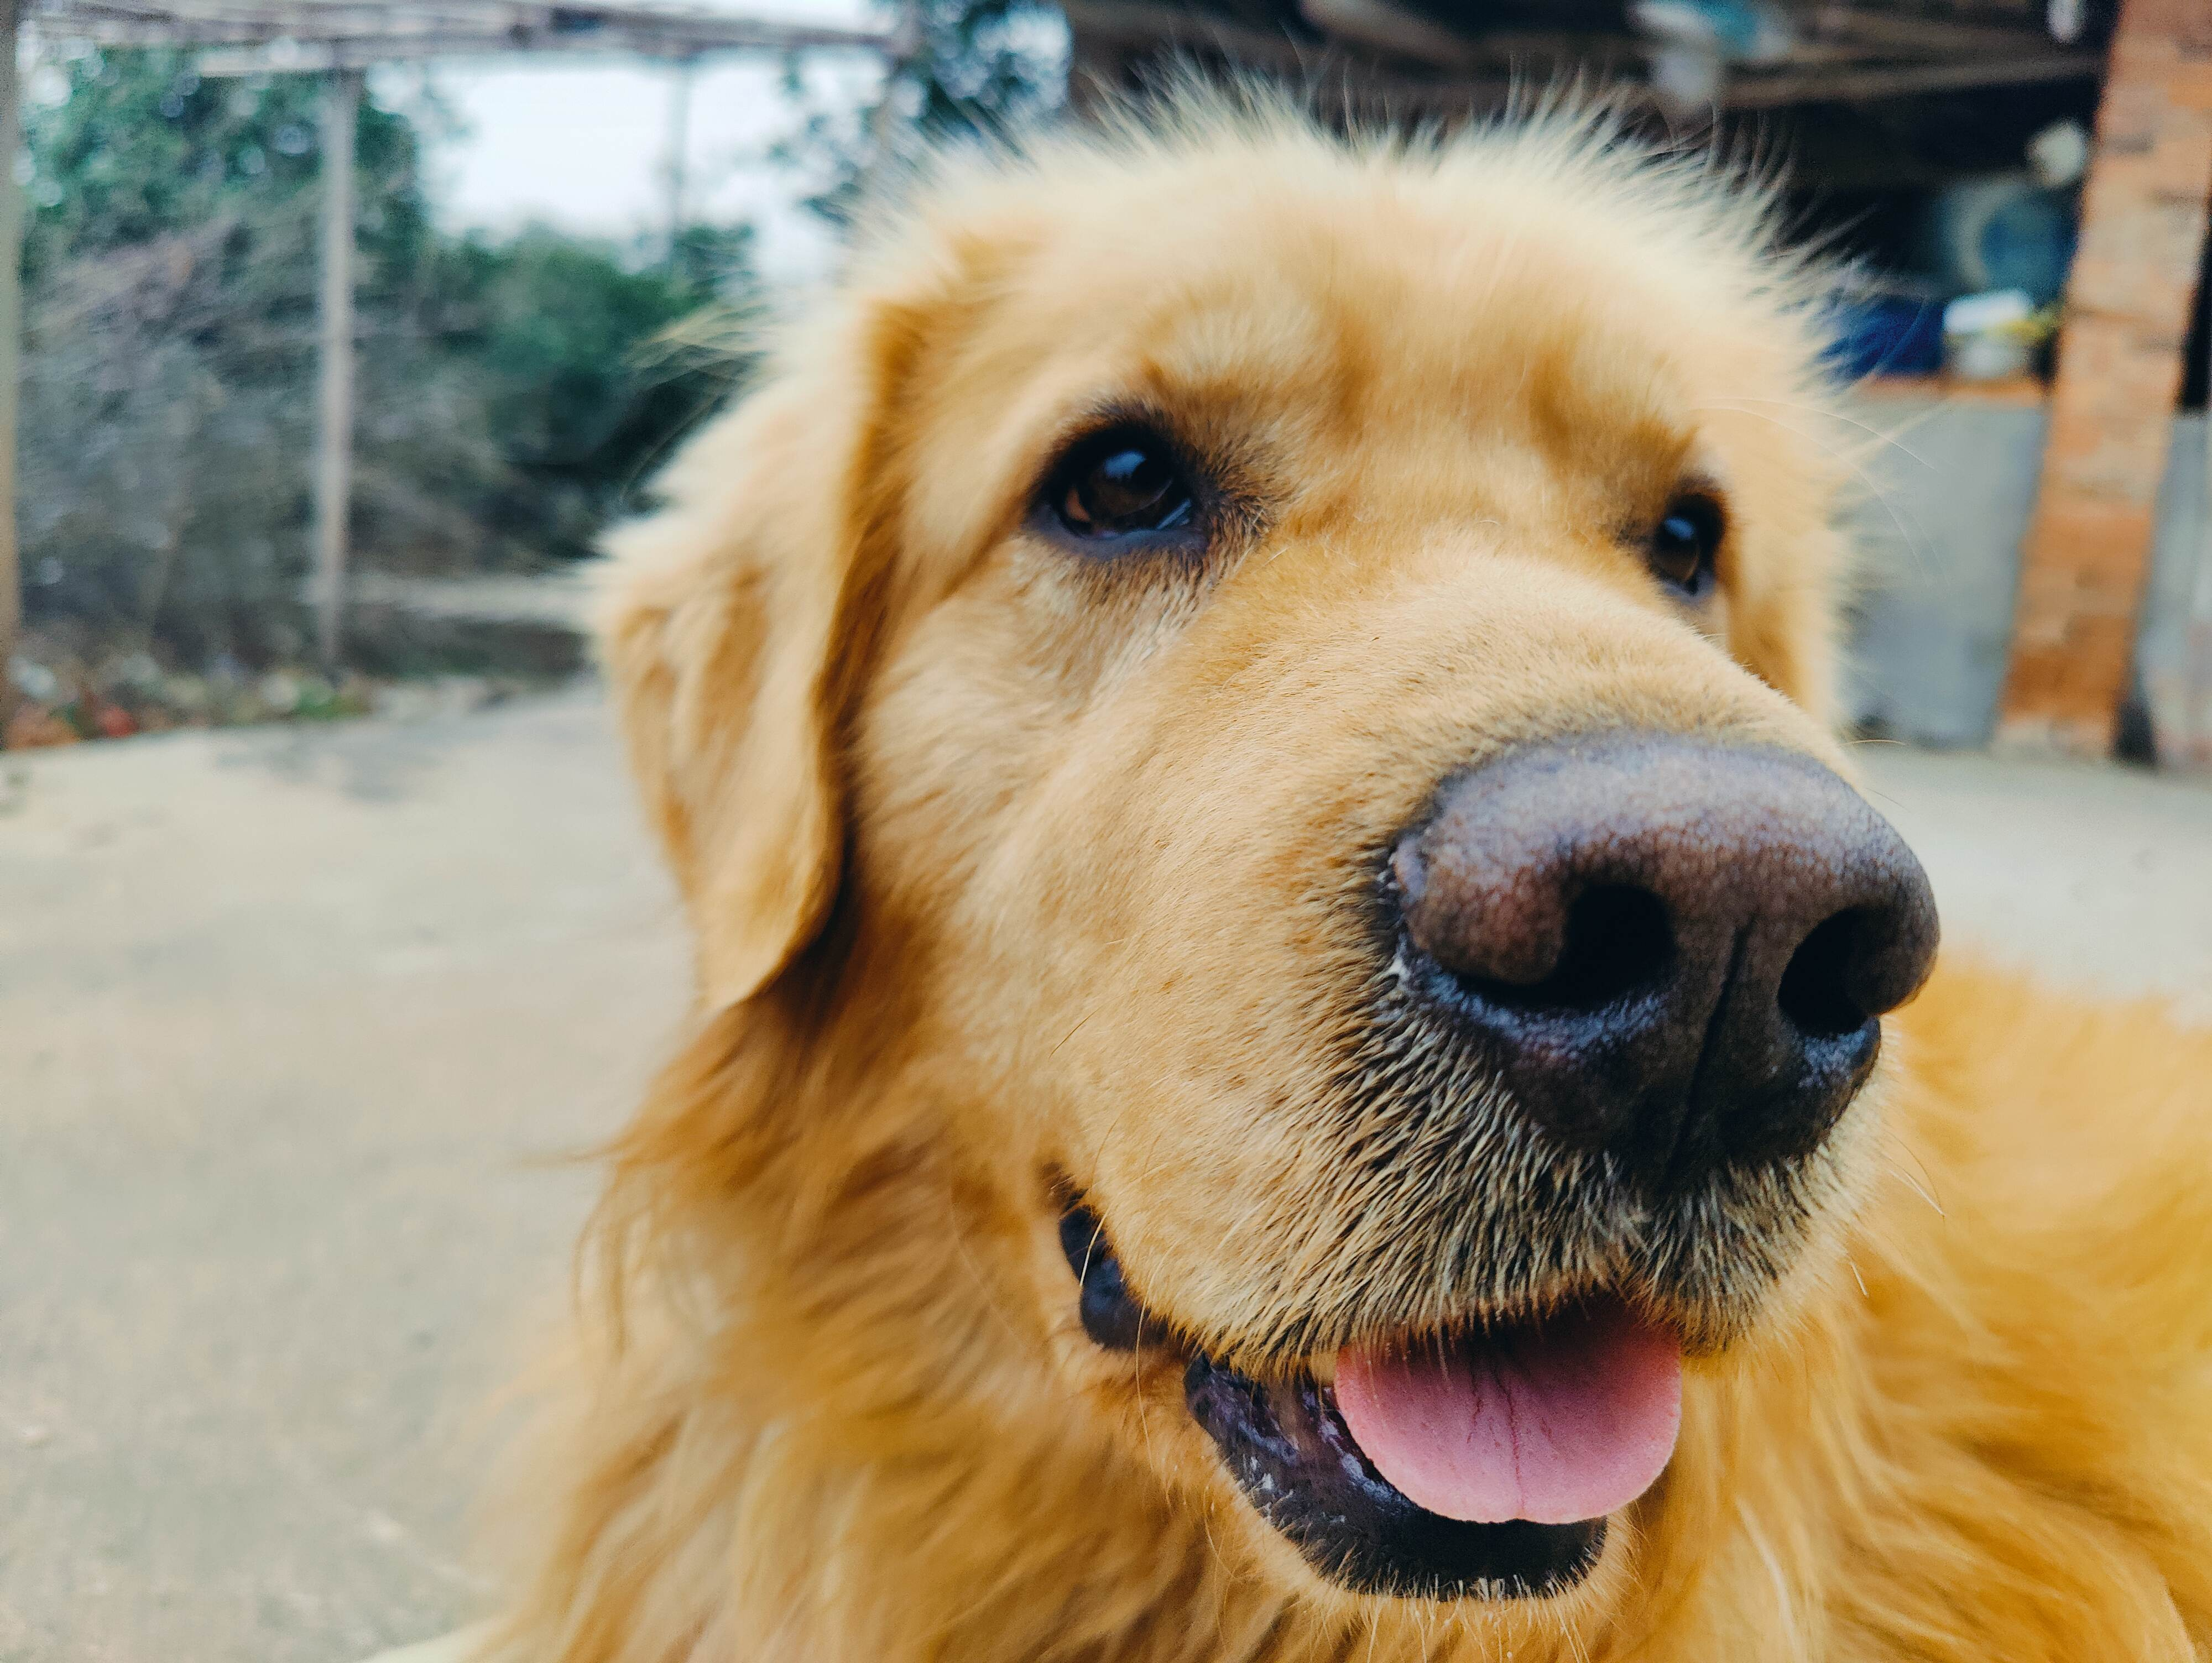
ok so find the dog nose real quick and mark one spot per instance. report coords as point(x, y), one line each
point(1671, 950)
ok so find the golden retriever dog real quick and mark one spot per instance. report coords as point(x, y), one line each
point(1305, 1050)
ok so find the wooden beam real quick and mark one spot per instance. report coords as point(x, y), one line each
point(903, 48)
point(2187, 742)
point(1748, 91)
point(2088, 553)
point(1917, 35)
point(11, 344)
point(679, 153)
point(1115, 42)
point(334, 403)
point(318, 34)
point(1139, 28)
point(1133, 30)
point(1393, 32)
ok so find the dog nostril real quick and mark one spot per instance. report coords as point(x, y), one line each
point(1617, 941)
point(1668, 950)
point(1815, 994)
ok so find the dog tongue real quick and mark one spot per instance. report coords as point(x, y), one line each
point(1555, 1424)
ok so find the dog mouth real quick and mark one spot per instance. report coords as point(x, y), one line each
point(1478, 1464)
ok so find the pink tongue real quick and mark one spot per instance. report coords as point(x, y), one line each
point(1554, 1423)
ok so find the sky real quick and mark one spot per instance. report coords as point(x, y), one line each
point(584, 144)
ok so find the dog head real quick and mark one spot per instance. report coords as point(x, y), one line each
point(1259, 706)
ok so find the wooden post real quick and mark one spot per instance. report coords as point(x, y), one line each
point(11, 343)
point(2191, 748)
point(2088, 553)
point(334, 436)
point(905, 46)
point(679, 151)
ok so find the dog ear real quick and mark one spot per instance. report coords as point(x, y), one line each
point(722, 629)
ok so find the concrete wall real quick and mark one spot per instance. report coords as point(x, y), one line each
point(2173, 643)
point(1947, 505)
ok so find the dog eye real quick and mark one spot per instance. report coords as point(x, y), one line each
point(1120, 487)
point(1686, 544)
point(1110, 1315)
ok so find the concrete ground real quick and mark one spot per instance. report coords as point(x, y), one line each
point(2100, 877)
point(290, 1021)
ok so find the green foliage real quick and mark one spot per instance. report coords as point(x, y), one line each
point(562, 342)
point(985, 65)
point(981, 67)
point(129, 146)
point(509, 393)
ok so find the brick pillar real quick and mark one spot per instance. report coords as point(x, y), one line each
point(2087, 552)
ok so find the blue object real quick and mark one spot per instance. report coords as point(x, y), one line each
point(2028, 243)
point(1885, 335)
point(2006, 232)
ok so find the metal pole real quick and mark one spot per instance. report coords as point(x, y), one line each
point(11, 330)
point(905, 46)
point(334, 439)
point(2192, 746)
point(679, 151)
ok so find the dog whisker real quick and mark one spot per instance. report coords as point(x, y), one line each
point(1071, 1033)
point(1826, 414)
point(1858, 471)
point(1892, 1149)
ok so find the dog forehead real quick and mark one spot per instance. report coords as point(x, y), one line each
point(1224, 277)
point(1390, 320)
point(1366, 312)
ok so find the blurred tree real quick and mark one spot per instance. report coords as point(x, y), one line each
point(986, 64)
point(128, 146)
point(566, 341)
point(978, 68)
point(509, 396)
point(512, 393)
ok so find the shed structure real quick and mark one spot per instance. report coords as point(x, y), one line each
point(1873, 97)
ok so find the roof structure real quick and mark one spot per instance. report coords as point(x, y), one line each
point(1881, 108)
point(318, 34)
point(1444, 56)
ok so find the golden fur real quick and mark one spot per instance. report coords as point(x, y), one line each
point(1010, 872)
